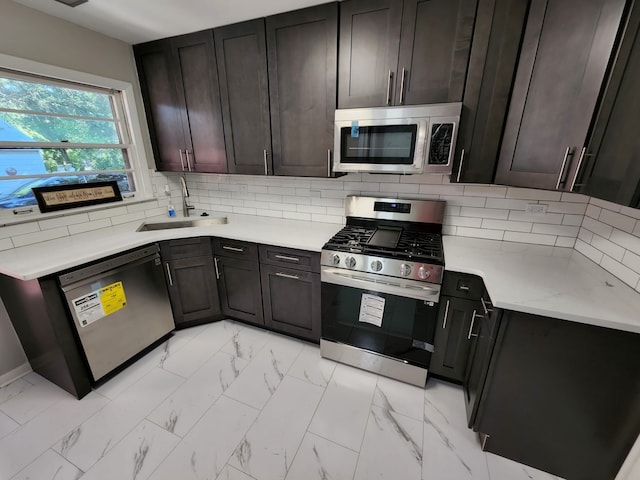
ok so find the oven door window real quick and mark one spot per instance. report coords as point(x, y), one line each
point(378, 145)
point(408, 325)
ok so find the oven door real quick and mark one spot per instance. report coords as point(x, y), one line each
point(392, 317)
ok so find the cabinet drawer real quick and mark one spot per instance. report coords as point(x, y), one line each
point(290, 258)
point(235, 249)
point(462, 285)
point(186, 248)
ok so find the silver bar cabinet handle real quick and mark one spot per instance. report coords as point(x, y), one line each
point(215, 263)
point(286, 275)
point(389, 81)
point(564, 164)
point(473, 321)
point(186, 154)
point(233, 249)
point(286, 257)
point(446, 314)
point(402, 80)
point(181, 160)
point(169, 274)
point(328, 162)
point(484, 307)
point(583, 154)
point(460, 165)
point(266, 169)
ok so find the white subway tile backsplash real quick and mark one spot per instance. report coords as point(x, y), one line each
point(299, 199)
point(262, 197)
point(573, 220)
point(508, 203)
point(37, 237)
point(575, 197)
point(561, 230)
point(6, 244)
point(431, 179)
point(282, 190)
point(463, 201)
point(130, 217)
point(617, 220)
point(296, 216)
point(463, 222)
point(269, 213)
point(88, 226)
point(372, 177)
point(536, 238)
point(480, 233)
point(312, 209)
point(328, 202)
point(632, 261)
point(636, 231)
point(566, 207)
point(494, 213)
point(549, 218)
point(565, 242)
point(335, 211)
point(631, 212)
point(532, 194)
point(449, 230)
point(626, 240)
point(401, 188)
point(359, 186)
point(597, 227)
point(107, 213)
point(63, 221)
point(245, 211)
point(283, 207)
point(605, 246)
point(625, 274)
point(585, 235)
point(482, 191)
point(593, 211)
point(19, 229)
point(449, 190)
point(506, 225)
point(451, 211)
point(588, 251)
point(327, 218)
point(614, 207)
point(258, 189)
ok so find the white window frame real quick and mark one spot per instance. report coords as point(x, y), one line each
point(136, 146)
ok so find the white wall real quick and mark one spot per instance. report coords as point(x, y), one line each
point(31, 35)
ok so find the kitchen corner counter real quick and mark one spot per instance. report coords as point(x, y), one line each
point(550, 281)
point(46, 258)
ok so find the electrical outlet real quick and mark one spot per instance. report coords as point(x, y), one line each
point(536, 208)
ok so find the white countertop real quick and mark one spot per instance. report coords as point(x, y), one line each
point(38, 260)
point(549, 281)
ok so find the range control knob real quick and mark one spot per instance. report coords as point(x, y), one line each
point(405, 270)
point(423, 273)
point(335, 259)
point(376, 265)
point(350, 262)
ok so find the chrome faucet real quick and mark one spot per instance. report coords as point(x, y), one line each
point(185, 194)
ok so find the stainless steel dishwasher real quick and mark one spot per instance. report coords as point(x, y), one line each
point(119, 307)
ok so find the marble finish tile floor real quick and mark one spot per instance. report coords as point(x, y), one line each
point(227, 401)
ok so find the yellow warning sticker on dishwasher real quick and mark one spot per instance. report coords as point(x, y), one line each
point(98, 304)
point(112, 298)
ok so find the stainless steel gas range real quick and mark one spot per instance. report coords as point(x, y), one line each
point(381, 276)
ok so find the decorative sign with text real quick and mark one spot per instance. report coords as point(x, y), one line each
point(62, 197)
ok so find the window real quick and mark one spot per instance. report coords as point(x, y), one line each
point(54, 132)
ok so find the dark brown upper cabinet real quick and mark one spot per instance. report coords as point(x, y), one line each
point(611, 169)
point(566, 49)
point(179, 83)
point(244, 90)
point(302, 48)
point(492, 65)
point(404, 52)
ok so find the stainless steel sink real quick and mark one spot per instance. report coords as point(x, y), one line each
point(195, 222)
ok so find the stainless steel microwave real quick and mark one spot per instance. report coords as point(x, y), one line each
point(403, 140)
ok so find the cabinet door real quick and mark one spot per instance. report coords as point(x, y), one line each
point(453, 337)
point(155, 69)
point(434, 50)
point(291, 301)
point(244, 90)
point(565, 53)
point(492, 65)
point(193, 290)
point(239, 287)
point(613, 172)
point(302, 52)
point(369, 44)
point(199, 95)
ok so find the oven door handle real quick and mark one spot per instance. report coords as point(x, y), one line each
point(401, 288)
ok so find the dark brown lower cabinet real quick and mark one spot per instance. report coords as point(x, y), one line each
point(239, 287)
point(191, 281)
point(291, 300)
point(560, 396)
point(453, 338)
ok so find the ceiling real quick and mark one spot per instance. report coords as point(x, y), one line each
point(136, 21)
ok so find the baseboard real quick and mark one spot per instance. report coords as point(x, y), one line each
point(15, 374)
